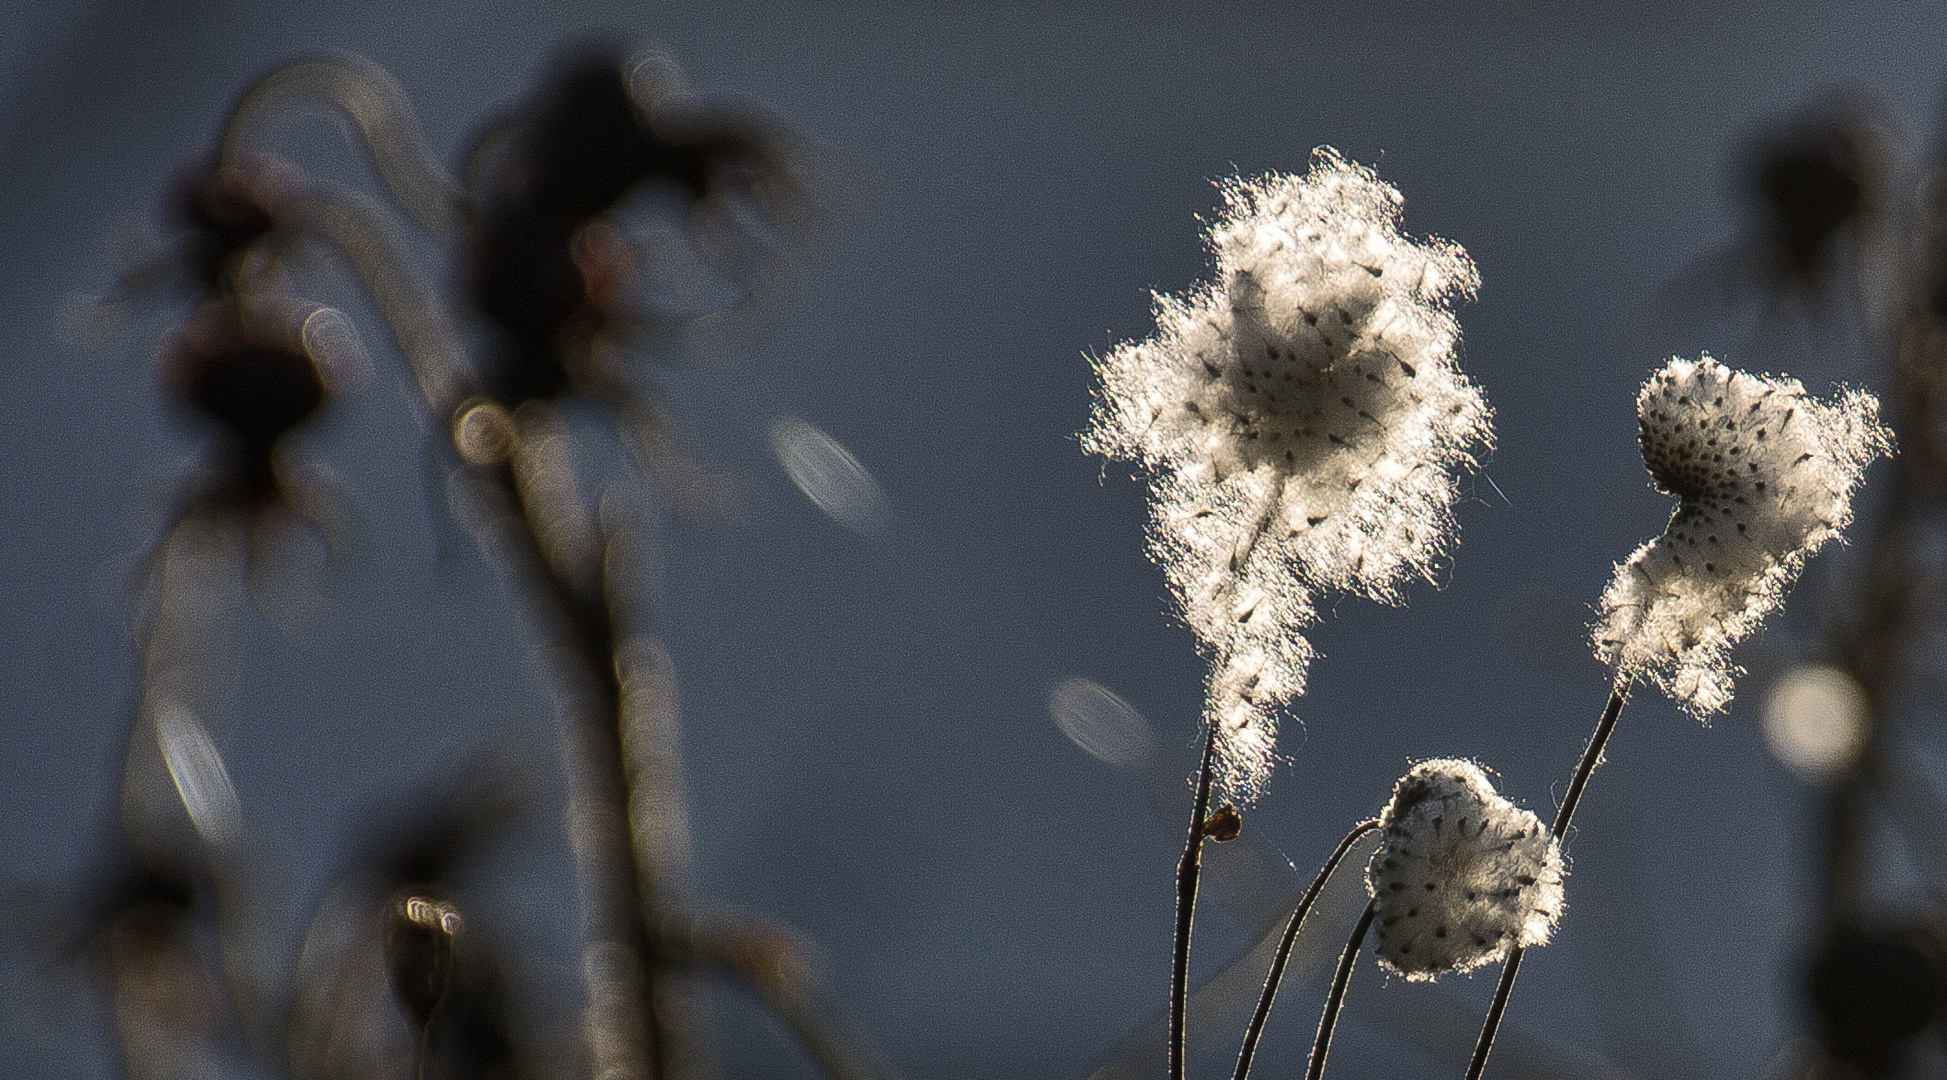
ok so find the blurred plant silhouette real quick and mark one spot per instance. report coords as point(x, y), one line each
point(1873, 966)
point(395, 979)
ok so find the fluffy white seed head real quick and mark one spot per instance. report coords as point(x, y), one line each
point(1301, 415)
point(1462, 875)
point(1764, 476)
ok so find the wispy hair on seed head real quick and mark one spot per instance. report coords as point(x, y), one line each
point(1764, 474)
point(1302, 416)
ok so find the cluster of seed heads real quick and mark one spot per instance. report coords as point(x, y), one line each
point(1462, 875)
point(1764, 476)
point(1301, 416)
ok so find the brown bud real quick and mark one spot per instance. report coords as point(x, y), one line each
point(1226, 824)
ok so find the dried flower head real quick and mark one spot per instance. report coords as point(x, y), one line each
point(1764, 475)
point(1462, 875)
point(255, 372)
point(1301, 415)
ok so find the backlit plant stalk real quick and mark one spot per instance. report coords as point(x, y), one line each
point(248, 367)
point(1301, 417)
point(1764, 475)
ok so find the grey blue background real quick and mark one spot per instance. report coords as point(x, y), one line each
point(865, 721)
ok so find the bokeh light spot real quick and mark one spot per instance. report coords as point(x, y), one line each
point(830, 476)
point(1096, 719)
point(1815, 720)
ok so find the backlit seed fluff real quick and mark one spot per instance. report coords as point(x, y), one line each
point(1461, 875)
point(1301, 417)
point(1764, 475)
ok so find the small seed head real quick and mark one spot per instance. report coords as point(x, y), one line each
point(1462, 875)
point(419, 942)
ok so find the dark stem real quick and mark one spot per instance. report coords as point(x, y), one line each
point(422, 1051)
point(1591, 757)
point(1187, 873)
point(1335, 1001)
point(1271, 980)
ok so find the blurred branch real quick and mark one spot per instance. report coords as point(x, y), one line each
point(774, 962)
point(368, 96)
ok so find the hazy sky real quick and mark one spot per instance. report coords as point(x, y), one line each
point(866, 720)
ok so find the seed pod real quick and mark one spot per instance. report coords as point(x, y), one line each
point(255, 372)
point(537, 263)
point(1816, 183)
point(1303, 416)
point(1462, 874)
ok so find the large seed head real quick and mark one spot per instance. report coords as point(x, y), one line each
point(1302, 417)
point(1764, 476)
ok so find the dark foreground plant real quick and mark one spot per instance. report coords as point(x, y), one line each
point(565, 295)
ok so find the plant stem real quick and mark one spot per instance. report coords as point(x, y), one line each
point(773, 961)
point(621, 909)
point(1334, 1001)
point(368, 96)
point(1187, 873)
point(1591, 757)
point(1276, 974)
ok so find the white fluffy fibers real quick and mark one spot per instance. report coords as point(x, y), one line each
point(1462, 874)
point(1764, 475)
point(1302, 416)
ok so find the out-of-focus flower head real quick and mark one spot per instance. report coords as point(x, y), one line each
point(1302, 415)
point(229, 217)
point(547, 267)
point(1462, 875)
point(1817, 183)
point(1764, 474)
point(254, 373)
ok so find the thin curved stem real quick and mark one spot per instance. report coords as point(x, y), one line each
point(1335, 1001)
point(422, 1051)
point(1187, 873)
point(1591, 757)
point(355, 224)
point(372, 99)
point(773, 962)
point(1278, 962)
